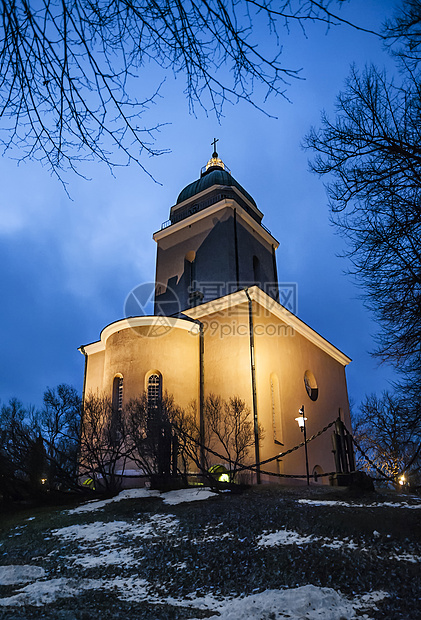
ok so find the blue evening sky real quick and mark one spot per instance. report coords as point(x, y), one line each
point(67, 265)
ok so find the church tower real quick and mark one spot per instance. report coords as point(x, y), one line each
point(213, 244)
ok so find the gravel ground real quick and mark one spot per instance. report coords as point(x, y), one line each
point(144, 559)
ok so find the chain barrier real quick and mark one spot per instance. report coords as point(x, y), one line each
point(256, 466)
point(278, 475)
point(282, 454)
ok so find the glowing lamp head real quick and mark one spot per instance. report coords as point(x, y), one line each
point(301, 420)
point(402, 480)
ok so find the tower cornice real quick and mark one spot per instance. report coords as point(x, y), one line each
point(211, 210)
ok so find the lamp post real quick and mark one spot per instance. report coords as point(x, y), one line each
point(302, 424)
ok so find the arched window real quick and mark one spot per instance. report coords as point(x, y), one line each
point(317, 473)
point(190, 270)
point(117, 407)
point(117, 399)
point(154, 390)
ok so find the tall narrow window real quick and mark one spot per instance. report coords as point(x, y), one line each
point(256, 270)
point(117, 400)
point(190, 268)
point(117, 407)
point(154, 390)
point(276, 409)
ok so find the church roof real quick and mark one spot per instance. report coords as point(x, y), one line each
point(229, 302)
point(216, 173)
point(163, 325)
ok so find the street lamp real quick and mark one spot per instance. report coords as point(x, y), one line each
point(302, 424)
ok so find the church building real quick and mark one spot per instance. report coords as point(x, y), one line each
point(220, 327)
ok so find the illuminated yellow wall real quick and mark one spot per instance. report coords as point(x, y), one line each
point(282, 356)
point(283, 351)
point(94, 379)
point(134, 353)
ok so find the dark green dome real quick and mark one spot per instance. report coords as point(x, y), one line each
point(215, 176)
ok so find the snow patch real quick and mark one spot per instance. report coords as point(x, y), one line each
point(109, 541)
point(171, 497)
point(306, 602)
point(14, 574)
point(209, 534)
point(406, 557)
point(284, 537)
point(142, 493)
point(337, 543)
point(109, 532)
point(326, 502)
point(187, 495)
point(400, 505)
point(211, 538)
point(44, 592)
point(109, 557)
point(291, 537)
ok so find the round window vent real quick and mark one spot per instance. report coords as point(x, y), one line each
point(311, 385)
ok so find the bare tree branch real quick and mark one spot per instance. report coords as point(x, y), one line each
point(372, 150)
point(69, 69)
point(389, 430)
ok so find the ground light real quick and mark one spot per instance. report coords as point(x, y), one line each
point(302, 424)
point(220, 473)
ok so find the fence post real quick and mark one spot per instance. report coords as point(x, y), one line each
point(350, 449)
point(341, 440)
point(336, 447)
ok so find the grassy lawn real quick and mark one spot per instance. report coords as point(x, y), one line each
point(143, 558)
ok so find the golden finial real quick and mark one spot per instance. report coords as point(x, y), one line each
point(215, 161)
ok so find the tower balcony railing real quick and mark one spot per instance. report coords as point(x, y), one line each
point(168, 223)
point(227, 193)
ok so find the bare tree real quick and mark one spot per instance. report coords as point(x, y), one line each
point(15, 440)
point(189, 445)
point(372, 152)
point(23, 460)
point(152, 437)
point(69, 68)
point(389, 431)
point(59, 423)
point(103, 452)
point(226, 437)
point(229, 431)
point(403, 33)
